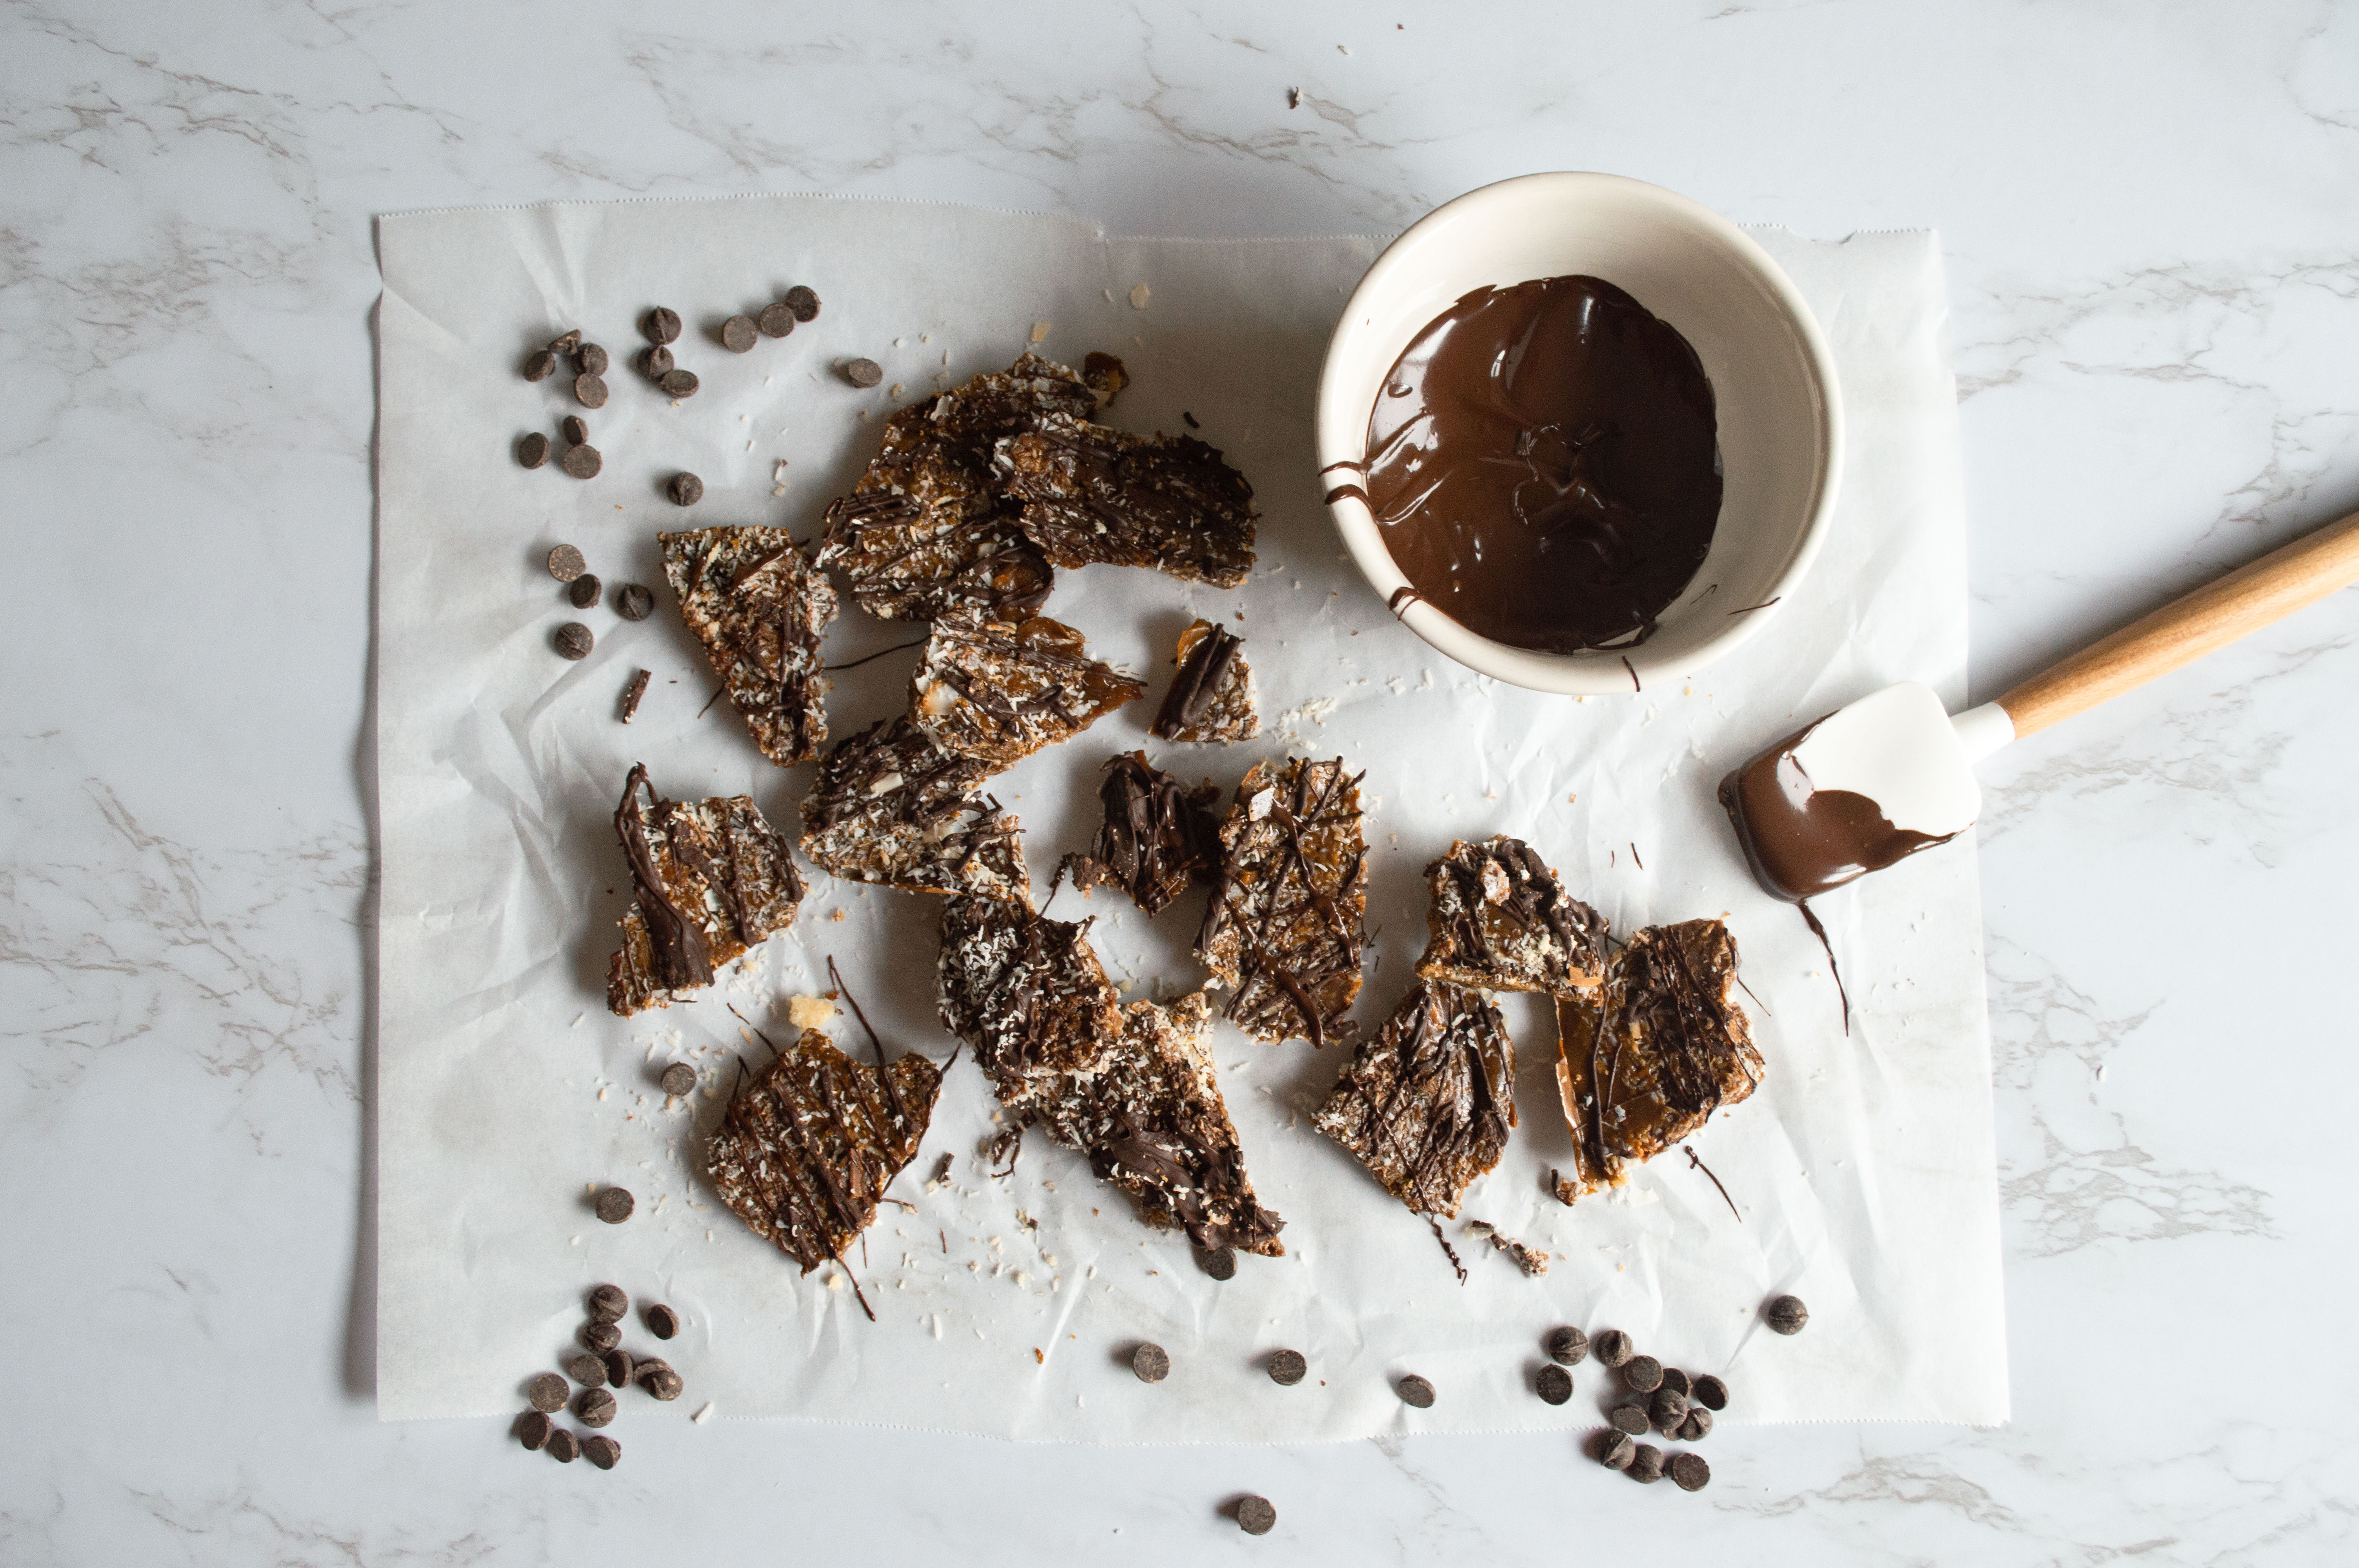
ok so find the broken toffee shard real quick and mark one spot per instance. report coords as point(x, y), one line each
point(1000, 691)
point(1499, 921)
point(1667, 1042)
point(758, 607)
point(892, 807)
point(1028, 994)
point(1212, 697)
point(1152, 1122)
point(927, 530)
point(1095, 495)
point(712, 879)
point(808, 1146)
point(1427, 1104)
point(1284, 929)
point(1157, 837)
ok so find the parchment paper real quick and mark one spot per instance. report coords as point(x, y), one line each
point(1863, 1168)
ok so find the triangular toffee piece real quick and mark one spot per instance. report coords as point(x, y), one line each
point(1286, 925)
point(758, 607)
point(1499, 921)
point(1000, 691)
point(1427, 1104)
point(892, 807)
point(712, 880)
point(1094, 494)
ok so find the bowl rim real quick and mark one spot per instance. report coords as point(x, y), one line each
point(1591, 672)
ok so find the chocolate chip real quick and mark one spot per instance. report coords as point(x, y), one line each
point(1613, 1347)
point(601, 1451)
point(1554, 1384)
point(685, 490)
point(581, 462)
point(776, 320)
point(1629, 1418)
point(1256, 1516)
point(574, 431)
point(1569, 1345)
point(864, 373)
point(656, 362)
point(679, 1077)
point(601, 1337)
point(590, 391)
point(539, 365)
point(565, 563)
point(567, 343)
point(678, 383)
point(1710, 1393)
point(738, 334)
point(1415, 1391)
point(1667, 1409)
point(660, 1381)
point(1221, 1262)
point(533, 1427)
point(547, 1392)
point(1618, 1450)
point(1151, 1362)
point(615, 1203)
point(1643, 1373)
point(1696, 1427)
point(660, 325)
point(1287, 1367)
point(587, 1370)
point(1677, 1381)
point(1786, 1315)
point(662, 1321)
point(533, 450)
point(563, 1446)
point(591, 359)
point(584, 590)
point(593, 1407)
point(1646, 1463)
point(802, 302)
point(618, 1367)
point(608, 1303)
point(573, 640)
point(633, 603)
point(1691, 1471)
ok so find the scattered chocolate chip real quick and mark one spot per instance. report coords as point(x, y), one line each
point(802, 302)
point(1415, 1391)
point(601, 1451)
point(587, 1370)
point(593, 1407)
point(1677, 1381)
point(563, 1446)
point(1151, 1362)
point(1287, 1367)
point(1618, 1450)
point(608, 1303)
point(574, 641)
point(679, 382)
point(590, 391)
point(1256, 1516)
point(591, 359)
point(738, 334)
point(1643, 1373)
point(539, 365)
point(864, 373)
point(1646, 1463)
point(565, 563)
point(601, 1337)
point(1554, 1384)
point(1567, 1345)
point(662, 1321)
point(633, 603)
point(1613, 1347)
point(574, 431)
point(615, 1203)
point(1786, 1315)
point(533, 1427)
point(581, 462)
point(1696, 1427)
point(656, 362)
point(566, 344)
point(1221, 1262)
point(533, 450)
point(660, 325)
point(618, 1367)
point(547, 1392)
point(1667, 1409)
point(1710, 1393)
point(1691, 1471)
point(678, 1079)
point(685, 490)
point(1629, 1418)
point(584, 590)
point(776, 320)
point(660, 1381)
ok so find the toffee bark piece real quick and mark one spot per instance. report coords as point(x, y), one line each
point(1212, 697)
point(1157, 837)
point(1667, 1042)
point(1499, 921)
point(927, 529)
point(999, 691)
point(808, 1146)
point(1095, 495)
point(712, 879)
point(1285, 926)
point(1427, 1104)
point(1028, 994)
point(1153, 1123)
point(892, 807)
point(758, 607)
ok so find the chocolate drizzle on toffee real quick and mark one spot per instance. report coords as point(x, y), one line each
point(1543, 462)
point(758, 607)
point(712, 879)
point(1500, 921)
point(998, 690)
point(1285, 926)
point(1156, 837)
point(1211, 697)
point(1427, 1104)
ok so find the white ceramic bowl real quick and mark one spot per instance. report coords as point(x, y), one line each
point(1772, 380)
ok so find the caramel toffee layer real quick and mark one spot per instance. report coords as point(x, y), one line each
point(1801, 841)
point(1543, 460)
point(1500, 921)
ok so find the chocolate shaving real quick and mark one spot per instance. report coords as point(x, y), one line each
point(710, 880)
point(634, 693)
point(1093, 495)
point(1810, 916)
point(1500, 921)
point(758, 607)
point(1285, 926)
point(1428, 1103)
point(1157, 837)
point(1028, 994)
point(1212, 697)
point(1448, 1251)
point(890, 806)
point(999, 691)
point(1696, 1164)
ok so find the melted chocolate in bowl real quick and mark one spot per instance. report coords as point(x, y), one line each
point(1543, 462)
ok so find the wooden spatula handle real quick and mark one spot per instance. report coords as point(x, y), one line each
point(2214, 616)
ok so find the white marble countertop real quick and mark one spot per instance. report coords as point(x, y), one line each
point(2147, 217)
